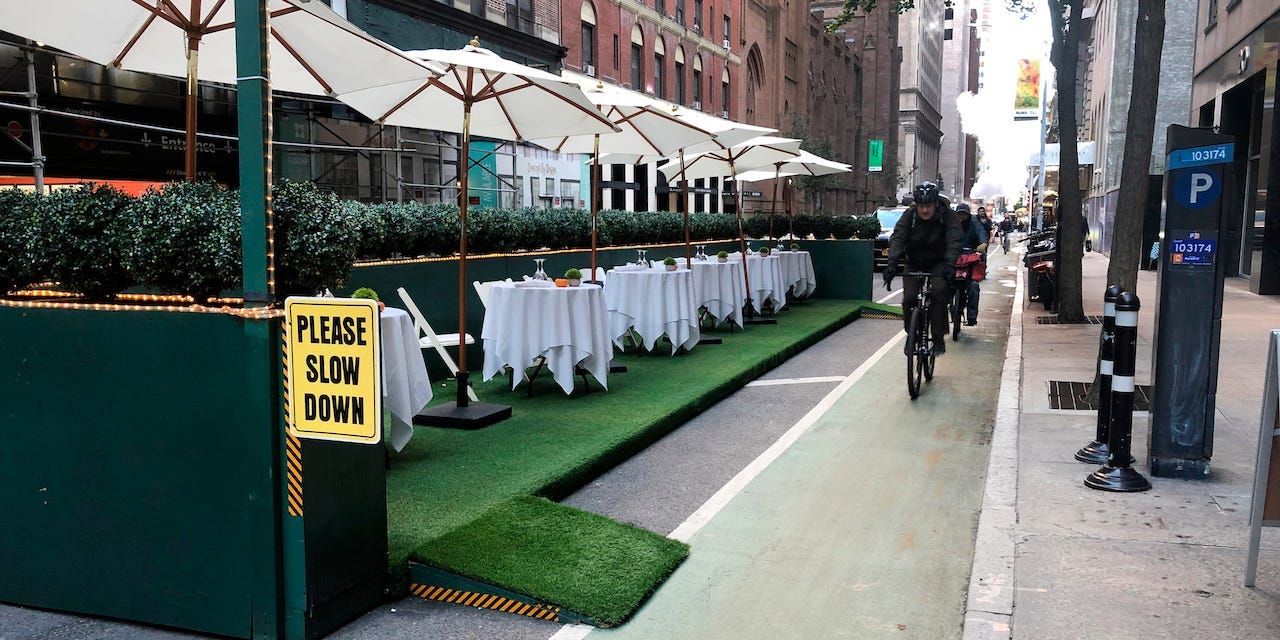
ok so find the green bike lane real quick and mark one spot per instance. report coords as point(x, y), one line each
point(864, 526)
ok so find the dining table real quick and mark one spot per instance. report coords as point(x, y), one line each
point(718, 287)
point(536, 323)
point(797, 272)
point(652, 302)
point(767, 281)
point(406, 389)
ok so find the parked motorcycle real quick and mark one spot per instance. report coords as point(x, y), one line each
point(1042, 278)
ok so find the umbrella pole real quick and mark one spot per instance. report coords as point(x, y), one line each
point(595, 202)
point(193, 67)
point(773, 205)
point(465, 165)
point(787, 199)
point(742, 239)
point(684, 200)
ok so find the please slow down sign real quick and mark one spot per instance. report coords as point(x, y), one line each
point(332, 368)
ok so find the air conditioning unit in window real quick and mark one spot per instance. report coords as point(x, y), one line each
point(591, 70)
point(724, 114)
point(697, 28)
point(725, 44)
point(697, 104)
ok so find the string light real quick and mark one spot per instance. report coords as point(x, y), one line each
point(259, 313)
point(470, 257)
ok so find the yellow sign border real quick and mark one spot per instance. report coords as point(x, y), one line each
point(375, 327)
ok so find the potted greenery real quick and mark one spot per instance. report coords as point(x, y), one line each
point(574, 276)
point(795, 246)
point(669, 263)
point(369, 294)
point(764, 252)
point(723, 256)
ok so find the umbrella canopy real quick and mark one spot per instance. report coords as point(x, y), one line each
point(501, 98)
point(755, 153)
point(644, 129)
point(313, 50)
point(804, 164)
point(727, 134)
point(479, 92)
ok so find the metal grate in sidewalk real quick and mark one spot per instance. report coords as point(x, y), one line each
point(1054, 320)
point(1073, 396)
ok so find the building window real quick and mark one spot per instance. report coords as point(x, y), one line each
point(1211, 17)
point(949, 14)
point(679, 83)
point(660, 6)
point(726, 28)
point(724, 96)
point(520, 15)
point(697, 16)
point(637, 67)
point(615, 52)
point(658, 63)
point(477, 7)
point(697, 88)
point(680, 11)
point(946, 34)
point(569, 191)
point(588, 48)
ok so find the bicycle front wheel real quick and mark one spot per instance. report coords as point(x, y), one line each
point(915, 347)
point(959, 299)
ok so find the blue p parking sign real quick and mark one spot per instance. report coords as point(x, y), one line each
point(1198, 188)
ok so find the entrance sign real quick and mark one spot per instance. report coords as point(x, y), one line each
point(333, 373)
point(875, 155)
point(1266, 479)
point(1189, 315)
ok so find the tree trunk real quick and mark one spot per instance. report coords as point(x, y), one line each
point(1126, 240)
point(1066, 52)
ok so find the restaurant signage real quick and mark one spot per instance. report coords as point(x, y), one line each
point(333, 388)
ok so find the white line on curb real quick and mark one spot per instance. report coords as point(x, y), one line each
point(989, 610)
point(715, 503)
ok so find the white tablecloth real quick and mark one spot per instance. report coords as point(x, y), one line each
point(406, 390)
point(566, 325)
point(718, 287)
point(797, 272)
point(653, 302)
point(767, 281)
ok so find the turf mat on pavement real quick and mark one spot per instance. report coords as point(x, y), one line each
point(573, 559)
point(554, 443)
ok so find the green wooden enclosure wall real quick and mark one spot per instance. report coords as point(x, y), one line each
point(137, 451)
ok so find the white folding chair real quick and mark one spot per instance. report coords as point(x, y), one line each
point(429, 339)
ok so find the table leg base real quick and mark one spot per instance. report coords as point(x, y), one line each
point(617, 368)
point(761, 320)
point(476, 415)
point(710, 340)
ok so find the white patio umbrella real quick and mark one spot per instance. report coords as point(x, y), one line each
point(645, 130)
point(805, 164)
point(313, 50)
point(482, 93)
point(754, 153)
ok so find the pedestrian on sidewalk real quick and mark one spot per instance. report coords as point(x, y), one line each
point(928, 236)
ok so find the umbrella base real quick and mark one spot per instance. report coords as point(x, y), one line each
point(710, 340)
point(476, 415)
point(760, 320)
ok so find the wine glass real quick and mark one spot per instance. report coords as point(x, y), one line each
point(539, 274)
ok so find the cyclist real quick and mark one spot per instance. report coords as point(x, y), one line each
point(973, 238)
point(1006, 228)
point(928, 234)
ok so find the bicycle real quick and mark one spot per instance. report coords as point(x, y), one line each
point(920, 355)
point(1004, 241)
point(960, 290)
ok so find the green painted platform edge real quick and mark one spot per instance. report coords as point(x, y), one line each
point(430, 576)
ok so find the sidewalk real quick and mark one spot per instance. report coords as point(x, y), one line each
point(1167, 563)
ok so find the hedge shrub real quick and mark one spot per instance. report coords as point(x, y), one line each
point(21, 264)
point(187, 239)
point(85, 235)
point(316, 239)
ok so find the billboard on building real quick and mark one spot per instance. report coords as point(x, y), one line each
point(1026, 101)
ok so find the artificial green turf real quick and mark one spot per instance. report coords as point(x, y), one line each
point(895, 309)
point(580, 561)
point(554, 443)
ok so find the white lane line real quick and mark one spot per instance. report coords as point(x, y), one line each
point(777, 381)
point(889, 297)
point(713, 505)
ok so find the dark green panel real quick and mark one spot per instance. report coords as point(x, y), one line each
point(126, 449)
point(843, 268)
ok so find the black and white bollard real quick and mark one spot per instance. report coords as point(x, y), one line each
point(1118, 473)
point(1096, 451)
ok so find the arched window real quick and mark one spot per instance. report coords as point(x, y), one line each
point(724, 91)
point(755, 78)
point(588, 38)
point(659, 67)
point(637, 58)
point(697, 81)
point(679, 79)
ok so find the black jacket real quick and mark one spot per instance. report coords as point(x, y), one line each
point(926, 244)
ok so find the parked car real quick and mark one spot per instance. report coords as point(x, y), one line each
point(888, 217)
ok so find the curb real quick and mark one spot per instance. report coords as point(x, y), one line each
point(989, 608)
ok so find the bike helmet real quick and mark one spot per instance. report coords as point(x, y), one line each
point(925, 193)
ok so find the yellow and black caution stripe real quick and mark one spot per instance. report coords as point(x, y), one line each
point(876, 314)
point(480, 600)
point(293, 448)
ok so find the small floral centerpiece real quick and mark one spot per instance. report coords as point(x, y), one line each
point(669, 263)
point(795, 246)
point(764, 251)
point(369, 294)
point(574, 276)
point(723, 256)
